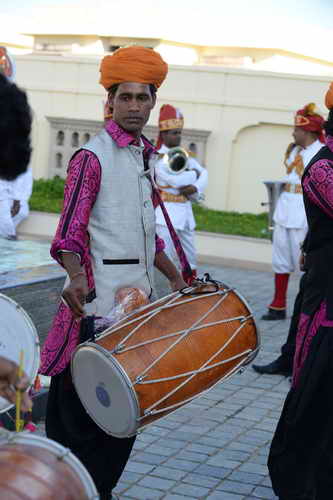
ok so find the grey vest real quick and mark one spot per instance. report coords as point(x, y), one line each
point(122, 223)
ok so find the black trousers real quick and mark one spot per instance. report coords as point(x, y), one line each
point(288, 348)
point(301, 455)
point(68, 423)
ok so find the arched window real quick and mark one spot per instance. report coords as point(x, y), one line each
point(59, 160)
point(75, 139)
point(86, 137)
point(60, 138)
point(192, 147)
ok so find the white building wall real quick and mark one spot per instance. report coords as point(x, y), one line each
point(248, 113)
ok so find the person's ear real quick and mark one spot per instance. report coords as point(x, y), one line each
point(110, 100)
point(154, 100)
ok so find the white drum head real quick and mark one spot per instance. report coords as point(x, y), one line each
point(17, 332)
point(26, 438)
point(105, 390)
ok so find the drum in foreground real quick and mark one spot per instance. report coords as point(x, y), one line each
point(163, 356)
point(17, 332)
point(37, 468)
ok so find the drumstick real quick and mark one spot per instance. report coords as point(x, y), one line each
point(18, 421)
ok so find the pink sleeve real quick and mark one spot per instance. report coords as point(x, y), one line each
point(318, 185)
point(81, 188)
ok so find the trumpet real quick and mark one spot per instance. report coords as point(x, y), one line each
point(176, 160)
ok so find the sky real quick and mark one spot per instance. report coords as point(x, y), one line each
point(304, 26)
point(316, 12)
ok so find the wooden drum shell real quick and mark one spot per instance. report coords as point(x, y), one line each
point(33, 472)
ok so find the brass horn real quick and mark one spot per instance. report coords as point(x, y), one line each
point(176, 160)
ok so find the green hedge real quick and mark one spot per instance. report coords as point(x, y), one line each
point(47, 196)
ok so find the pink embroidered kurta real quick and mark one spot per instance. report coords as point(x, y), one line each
point(81, 190)
point(318, 186)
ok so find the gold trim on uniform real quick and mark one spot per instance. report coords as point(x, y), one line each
point(174, 198)
point(301, 121)
point(171, 124)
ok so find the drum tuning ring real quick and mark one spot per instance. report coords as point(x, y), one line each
point(64, 454)
point(139, 379)
point(119, 348)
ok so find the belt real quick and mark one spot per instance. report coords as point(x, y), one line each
point(174, 198)
point(293, 188)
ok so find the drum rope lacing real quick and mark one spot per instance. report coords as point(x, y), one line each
point(238, 368)
point(150, 410)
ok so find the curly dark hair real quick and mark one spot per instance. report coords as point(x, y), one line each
point(15, 128)
point(328, 125)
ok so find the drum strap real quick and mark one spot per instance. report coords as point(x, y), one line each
point(186, 268)
point(198, 290)
point(87, 329)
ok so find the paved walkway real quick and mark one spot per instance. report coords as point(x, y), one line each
point(216, 448)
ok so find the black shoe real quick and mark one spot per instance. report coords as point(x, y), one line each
point(276, 367)
point(274, 314)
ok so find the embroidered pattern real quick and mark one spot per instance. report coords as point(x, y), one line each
point(318, 185)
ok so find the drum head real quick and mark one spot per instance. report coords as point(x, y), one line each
point(105, 390)
point(26, 438)
point(17, 332)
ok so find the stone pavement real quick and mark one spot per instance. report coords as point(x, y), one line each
point(216, 447)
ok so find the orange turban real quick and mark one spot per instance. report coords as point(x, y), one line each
point(329, 97)
point(133, 64)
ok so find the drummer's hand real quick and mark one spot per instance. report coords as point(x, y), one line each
point(75, 295)
point(177, 283)
point(10, 383)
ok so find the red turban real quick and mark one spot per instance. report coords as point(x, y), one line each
point(170, 118)
point(133, 64)
point(309, 120)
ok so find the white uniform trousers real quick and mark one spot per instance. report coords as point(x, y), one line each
point(22, 214)
point(186, 237)
point(286, 248)
point(7, 227)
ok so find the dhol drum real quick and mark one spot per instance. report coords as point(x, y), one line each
point(37, 468)
point(17, 332)
point(164, 355)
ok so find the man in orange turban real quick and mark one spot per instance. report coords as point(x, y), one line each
point(106, 240)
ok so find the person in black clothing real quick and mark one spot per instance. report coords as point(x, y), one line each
point(301, 456)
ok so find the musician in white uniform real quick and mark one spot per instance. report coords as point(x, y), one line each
point(14, 194)
point(290, 224)
point(14, 157)
point(14, 203)
point(178, 190)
